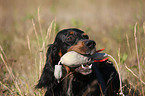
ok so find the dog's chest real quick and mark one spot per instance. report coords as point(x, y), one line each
point(81, 86)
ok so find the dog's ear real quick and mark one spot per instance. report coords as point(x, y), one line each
point(47, 78)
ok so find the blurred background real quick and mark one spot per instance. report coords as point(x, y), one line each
point(28, 26)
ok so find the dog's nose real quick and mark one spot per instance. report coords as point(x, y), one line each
point(90, 44)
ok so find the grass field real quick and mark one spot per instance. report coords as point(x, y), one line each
point(27, 27)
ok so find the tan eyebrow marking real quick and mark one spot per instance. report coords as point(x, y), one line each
point(71, 32)
point(84, 34)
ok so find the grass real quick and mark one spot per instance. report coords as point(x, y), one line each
point(24, 83)
point(27, 29)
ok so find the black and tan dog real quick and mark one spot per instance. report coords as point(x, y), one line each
point(102, 80)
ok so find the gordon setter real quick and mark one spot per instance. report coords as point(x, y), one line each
point(103, 78)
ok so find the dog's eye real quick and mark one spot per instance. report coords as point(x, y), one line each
point(86, 36)
point(70, 39)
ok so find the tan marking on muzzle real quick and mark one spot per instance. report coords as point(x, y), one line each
point(79, 47)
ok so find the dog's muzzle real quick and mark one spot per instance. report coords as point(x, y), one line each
point(81, 63)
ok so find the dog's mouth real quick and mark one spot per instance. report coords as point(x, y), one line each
point(81, 63)
point(84, 69)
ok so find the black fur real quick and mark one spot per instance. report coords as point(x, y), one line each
point(103, 80)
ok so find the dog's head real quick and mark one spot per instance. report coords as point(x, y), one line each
point(75, 40)
point(78, 41)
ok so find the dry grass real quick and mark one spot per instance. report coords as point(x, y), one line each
point(25, 78)
point(27, 27)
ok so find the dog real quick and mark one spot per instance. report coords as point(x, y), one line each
point(102, 79)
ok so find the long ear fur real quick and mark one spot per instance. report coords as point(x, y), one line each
point(47, 78)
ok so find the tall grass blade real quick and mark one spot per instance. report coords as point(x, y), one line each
point(10, 71)
point(137, 50)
